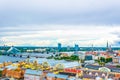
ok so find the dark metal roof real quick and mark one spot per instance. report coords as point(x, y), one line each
point(92, 67)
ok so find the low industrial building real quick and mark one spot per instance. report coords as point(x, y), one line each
point(32, 75)
point(116, 59)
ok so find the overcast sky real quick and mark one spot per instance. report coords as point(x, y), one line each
point(48, 22)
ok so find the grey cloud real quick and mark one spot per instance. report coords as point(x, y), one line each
point(60, 12)
point(116, 43)
point(24, 17)
point(93, 18)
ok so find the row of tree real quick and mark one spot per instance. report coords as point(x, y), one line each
point(106, 60)
point(72, 57)
point(102, 61)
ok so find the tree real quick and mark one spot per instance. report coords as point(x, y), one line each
point(47, 52)
point(118, 66)
point(101, 63)
point(102, 59)
point(0, 53)
point(56, 55)
point(108, 60)
point(82, 60)
point(74, 57)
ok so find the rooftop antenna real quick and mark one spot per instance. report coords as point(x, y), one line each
point(92, 48)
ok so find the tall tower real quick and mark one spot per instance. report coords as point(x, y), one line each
point(92, 48)
point(59, 46)
point(107, 45)
point(110, 48)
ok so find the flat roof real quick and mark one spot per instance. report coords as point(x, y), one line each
point(63, 76)
point(33, 72)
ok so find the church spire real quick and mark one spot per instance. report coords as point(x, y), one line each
point(108, 47)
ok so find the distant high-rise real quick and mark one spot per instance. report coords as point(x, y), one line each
point(107, 45)
point(59, 46)
point(76, 48)
point(68, 48)
point(92, 48)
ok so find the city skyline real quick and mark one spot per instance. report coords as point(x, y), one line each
point(46, 23)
